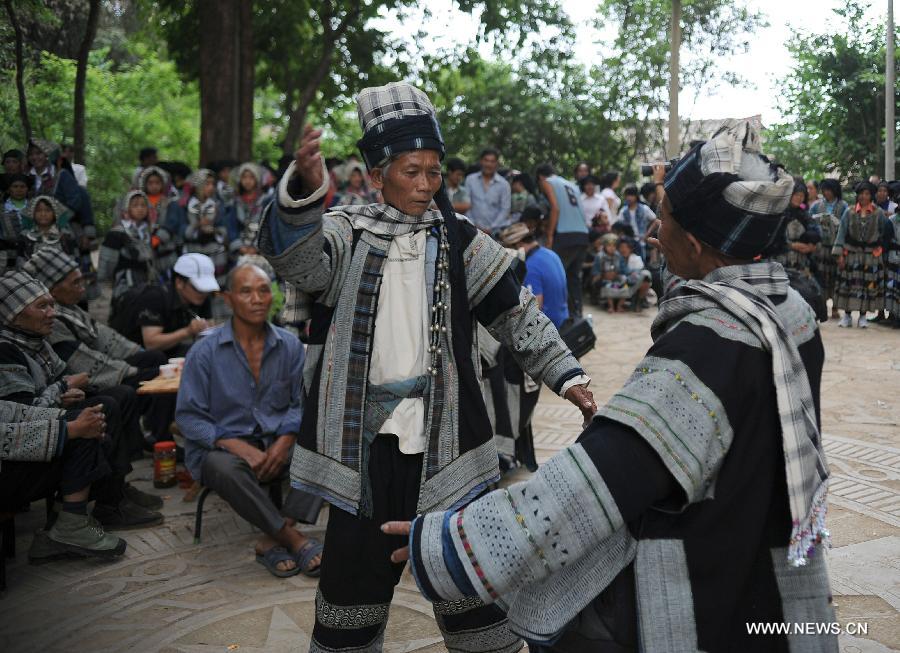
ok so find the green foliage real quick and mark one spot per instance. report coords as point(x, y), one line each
point(127, 108)
point(834, 100)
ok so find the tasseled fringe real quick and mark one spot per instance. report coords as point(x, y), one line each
point(811, 532)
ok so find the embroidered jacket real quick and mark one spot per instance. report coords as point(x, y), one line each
point(336, 258)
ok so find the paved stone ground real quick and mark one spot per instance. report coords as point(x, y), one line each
point(168, 594)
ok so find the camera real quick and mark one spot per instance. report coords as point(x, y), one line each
point(647, 168)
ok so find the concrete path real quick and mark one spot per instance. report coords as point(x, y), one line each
point(168, 594)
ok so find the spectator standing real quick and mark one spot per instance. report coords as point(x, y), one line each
point(453, 184)
point(826, 213)
point(582, 170)
point(126, 255)
point(883, 199)
point(490, 195)
point(567, 234)
point(522, 196)
point(80, 172)
point(592, 201)
point(636, 215)
point(609, 183)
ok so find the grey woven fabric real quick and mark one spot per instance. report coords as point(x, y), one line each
point(49, 266)
point(395, 100)
point(17, 290)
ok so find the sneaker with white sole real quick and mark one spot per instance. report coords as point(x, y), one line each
point(863, 323)
point(846, 322)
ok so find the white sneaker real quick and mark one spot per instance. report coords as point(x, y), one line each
point(846, 321)
point(863, 323)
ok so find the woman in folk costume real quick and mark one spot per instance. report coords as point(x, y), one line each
point(249, 201)
point(859, 248)
point(694, 502)
point(892, 274)
point(801, 235)
point(126, 255)
point(826, 212)
point(207, 234)
point(44, 214)
point(164, 217)
point(395, 423)
point(356, 192)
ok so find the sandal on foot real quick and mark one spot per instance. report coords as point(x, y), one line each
point(305, 555)
point(272, 557)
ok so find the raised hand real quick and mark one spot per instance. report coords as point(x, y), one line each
point(308, 160)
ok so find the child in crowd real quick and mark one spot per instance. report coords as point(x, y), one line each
point(45, 225)
point(859, 251)
point(607, 276)
point(826, 212)
point(207, 234)
point(126, 255)
point(636, 275)
point(249, 202)
point(520, 196)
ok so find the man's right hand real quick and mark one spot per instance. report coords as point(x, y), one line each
point(197, 325)
point(243, 449)
point(308, 160)
point(90, 424)
point(71, 397)
point(79, 381)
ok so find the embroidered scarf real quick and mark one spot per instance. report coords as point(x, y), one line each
point(742, 291)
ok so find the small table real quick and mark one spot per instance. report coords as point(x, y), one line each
point(160, 386)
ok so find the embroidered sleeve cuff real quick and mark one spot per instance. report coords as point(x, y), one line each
point(581, 379)
point(429, 548)
point(290, 198)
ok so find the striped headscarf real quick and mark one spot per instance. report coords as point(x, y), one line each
point(17, 290)
point(49, 266)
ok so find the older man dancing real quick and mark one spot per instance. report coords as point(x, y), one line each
point(395, 422)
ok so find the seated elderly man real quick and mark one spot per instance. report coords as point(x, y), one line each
point(31, 373)
point(166, 317)
point(107, 357)
point(239, 410)
point(45, 450)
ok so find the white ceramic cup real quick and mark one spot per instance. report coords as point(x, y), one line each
point(168, 371)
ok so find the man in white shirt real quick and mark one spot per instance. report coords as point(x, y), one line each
point(80, 172)
point(591, 200)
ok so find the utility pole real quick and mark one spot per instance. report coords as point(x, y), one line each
point(674, 145)
point(890, 76)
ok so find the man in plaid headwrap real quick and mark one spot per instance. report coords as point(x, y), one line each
point(32, 373)
point(694, 503)
point(394, 421)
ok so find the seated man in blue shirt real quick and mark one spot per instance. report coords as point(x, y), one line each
point(239, 410)
point(545, 275)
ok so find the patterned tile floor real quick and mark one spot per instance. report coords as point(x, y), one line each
point(168, 594)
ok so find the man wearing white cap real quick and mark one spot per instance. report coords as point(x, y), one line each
point(395, 423)
point(164, 317)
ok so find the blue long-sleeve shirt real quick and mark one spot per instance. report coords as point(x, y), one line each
point(491, 205)
point(219, 398)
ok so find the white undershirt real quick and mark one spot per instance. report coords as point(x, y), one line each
point(401, 334)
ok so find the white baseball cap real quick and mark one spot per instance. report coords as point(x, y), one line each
point(200, 270)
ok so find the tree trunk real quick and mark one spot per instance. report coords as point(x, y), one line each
point(226, 79)
point(674, 144)
point(81, 77)
point(20, 70)
point(890, 100)
point(247, 82)
point(297, 117)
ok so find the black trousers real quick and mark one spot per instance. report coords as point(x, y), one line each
point(358, 577)
point(80, 464)
point(115, 447)
point(158, 411)
point(571, 249)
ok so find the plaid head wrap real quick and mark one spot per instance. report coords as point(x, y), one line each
point(729, 195)
point(49, 266)
point(149, 171)
point(396, 118)
point(48, 147)
point(199, 177)
point(17, 290)
point(56, 206)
